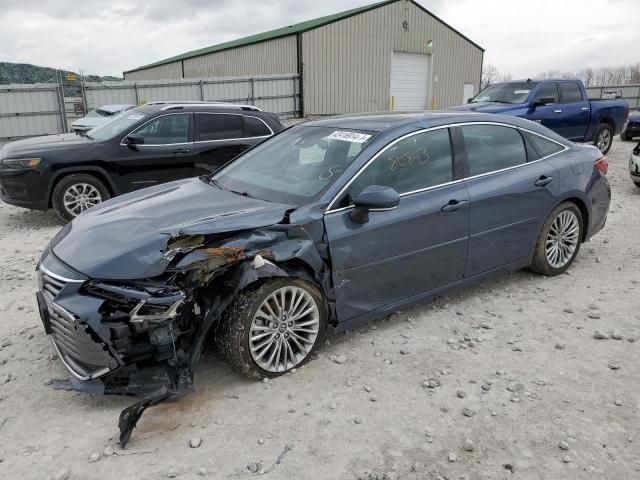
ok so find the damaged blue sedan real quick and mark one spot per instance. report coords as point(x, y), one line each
point(315, 231)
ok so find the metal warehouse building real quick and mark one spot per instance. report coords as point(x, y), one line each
point(393, 55)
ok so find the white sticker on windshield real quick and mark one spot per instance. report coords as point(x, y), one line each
point(353, 137)
point(135, 117)
point(520, 92)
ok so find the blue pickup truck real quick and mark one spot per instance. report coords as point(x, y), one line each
point(561, 105)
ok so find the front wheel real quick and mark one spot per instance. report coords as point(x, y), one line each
point(268, 330)
point(559, 240)
point(76, 193)
point(603, 138)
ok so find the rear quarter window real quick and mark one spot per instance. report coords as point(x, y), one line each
point(254, 127)
point(543, 146)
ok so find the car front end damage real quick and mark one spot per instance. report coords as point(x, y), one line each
point(144, 337)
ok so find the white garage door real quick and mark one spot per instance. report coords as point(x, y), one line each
point(410, 81)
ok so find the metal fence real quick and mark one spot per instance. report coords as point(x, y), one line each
point(41, 109)
point(30, 110)
point(628, 92)
point(274, 93)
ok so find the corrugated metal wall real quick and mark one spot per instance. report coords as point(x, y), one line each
point(347, 64)
point(629, 92)
point(161, 72)
point(266, 58)
point(274, 93)
point(29, 110)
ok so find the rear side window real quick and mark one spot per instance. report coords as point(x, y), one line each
point(254, 127)
point(542, 145)
point(547, 92)
point(491, 148)
point(417, 162)
point(217, 127)
point(569, 92)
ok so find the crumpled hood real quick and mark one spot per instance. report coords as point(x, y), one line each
point(43, 144)
point(125, 238)
point(486, 107)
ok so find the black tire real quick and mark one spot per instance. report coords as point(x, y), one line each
point(625, 138)
point(637, 184)
point(235, 326)
point(540, 263)
point(87, 182)
point(600, 131)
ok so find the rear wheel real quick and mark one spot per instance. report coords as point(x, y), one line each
point(268, 330)
point(625, 138)
point(603, 138)
point(77, 193)
point(559, 240)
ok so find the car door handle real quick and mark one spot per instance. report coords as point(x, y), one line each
point(543, 181)
point(180, 151)
point(584, 109)
point(454, 205)
point(557, 111)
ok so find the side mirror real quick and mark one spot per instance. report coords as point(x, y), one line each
point(541, 102)
point(373, 197)
point(470, 100)
point(133, 139)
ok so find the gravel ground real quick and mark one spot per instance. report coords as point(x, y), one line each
point(503, 380)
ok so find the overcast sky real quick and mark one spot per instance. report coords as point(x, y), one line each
point(523, 38)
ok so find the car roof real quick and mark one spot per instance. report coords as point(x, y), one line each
point(189, 106)
point(114, 107)
point(384, 121)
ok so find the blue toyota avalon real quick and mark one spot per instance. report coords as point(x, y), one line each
point(314, 231)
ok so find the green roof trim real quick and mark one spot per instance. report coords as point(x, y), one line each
point(286, 31)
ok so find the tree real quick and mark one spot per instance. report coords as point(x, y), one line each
point(489, 75)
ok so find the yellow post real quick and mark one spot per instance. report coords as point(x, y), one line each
point(393, 103)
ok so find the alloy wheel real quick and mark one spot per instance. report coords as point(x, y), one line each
point(284, 329)
point(562, 239)
point(80, 197)
point(604, 140)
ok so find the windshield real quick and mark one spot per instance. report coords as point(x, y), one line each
point(296, 166)
point(117, 125)
point(505, 93)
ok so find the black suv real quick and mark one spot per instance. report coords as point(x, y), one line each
point(148, 145)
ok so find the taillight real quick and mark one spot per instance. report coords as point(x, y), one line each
point(602, 165)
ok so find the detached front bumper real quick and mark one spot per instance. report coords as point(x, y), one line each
point(105, 350)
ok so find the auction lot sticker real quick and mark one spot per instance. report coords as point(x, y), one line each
point(353, 137)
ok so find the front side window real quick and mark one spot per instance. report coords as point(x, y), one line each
point(211, 126)
point(296, 166)
point(492, 147)
point(165, 130)
point(414, 163)
point(548, 93)
point(569, 92)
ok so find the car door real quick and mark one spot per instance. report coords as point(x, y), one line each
point(511, 191)
point(547, 114)
point(220, 137)
point(572, 111)
point(403, 252)
point(165, 154)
